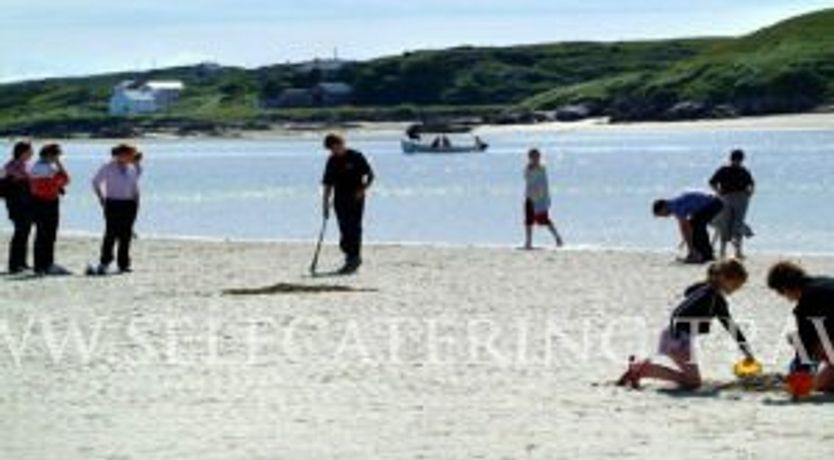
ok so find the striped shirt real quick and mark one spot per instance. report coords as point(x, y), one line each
point(538, 189)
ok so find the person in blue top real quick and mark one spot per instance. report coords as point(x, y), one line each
point(694, 211)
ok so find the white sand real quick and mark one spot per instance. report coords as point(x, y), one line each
point(153, 391)
point(795, 122)
point(801, 122)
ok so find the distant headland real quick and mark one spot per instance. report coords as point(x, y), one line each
point(785, 68)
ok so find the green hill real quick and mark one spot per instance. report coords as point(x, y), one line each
point(788, 67)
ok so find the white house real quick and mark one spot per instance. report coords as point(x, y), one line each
point(136, 98)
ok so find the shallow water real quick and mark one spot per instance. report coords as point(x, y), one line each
point(603, 184)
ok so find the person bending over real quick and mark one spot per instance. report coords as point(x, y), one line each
point(694, 212)
point(814, 314)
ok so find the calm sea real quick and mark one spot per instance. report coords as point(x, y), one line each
point(602, 183)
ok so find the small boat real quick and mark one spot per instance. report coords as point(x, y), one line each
point(411, 146)
point(440, 143)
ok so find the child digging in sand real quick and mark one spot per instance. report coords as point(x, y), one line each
point(814, 313)
point(537, 199)
point(704, 302)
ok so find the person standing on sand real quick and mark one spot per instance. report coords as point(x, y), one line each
point(117, 188)
point(347, 178)
point(814, 313)
point(735, 185)
point(19, 205)
point(47, 180)
point(537, 199)
point(704, 302)
point(694, 211)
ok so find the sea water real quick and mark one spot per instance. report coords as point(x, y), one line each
point(603, 183)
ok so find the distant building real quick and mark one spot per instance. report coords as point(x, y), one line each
point(137, 98)
point(327, 94)
point(294, 97)
point(332, 93)
point(326, 66)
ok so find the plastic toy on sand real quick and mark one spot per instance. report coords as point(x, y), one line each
point(800, 384)
point(747, 368)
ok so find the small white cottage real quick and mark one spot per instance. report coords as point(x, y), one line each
point(135, 97)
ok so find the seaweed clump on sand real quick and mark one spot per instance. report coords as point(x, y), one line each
point(291, 288)
point(765, 383)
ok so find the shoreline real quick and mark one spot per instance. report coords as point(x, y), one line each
point(812, 121)
point(84, 236)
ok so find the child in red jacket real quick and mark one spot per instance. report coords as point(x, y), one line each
point(48, 178)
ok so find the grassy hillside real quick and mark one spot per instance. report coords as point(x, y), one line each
point(784, 68)
point(507, 75)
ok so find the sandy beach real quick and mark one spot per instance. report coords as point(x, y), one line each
point(790, 122)
point(429, 352)
point(795, 122)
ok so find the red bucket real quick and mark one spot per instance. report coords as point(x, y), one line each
point(800, 384)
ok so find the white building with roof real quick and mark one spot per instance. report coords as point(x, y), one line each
point(136, 98)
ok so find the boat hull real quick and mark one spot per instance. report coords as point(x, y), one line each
point(412, 147)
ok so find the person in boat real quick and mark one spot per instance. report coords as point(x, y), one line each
point(814, 314)
point(435, 144)
point(347, 178)
point(735, 185)
point(537, 199)
point(413, 133)
point(19, 204)
point(694, 211)
point(445, 142)
point(703, 303)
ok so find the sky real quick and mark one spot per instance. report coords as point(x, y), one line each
point(46, 38)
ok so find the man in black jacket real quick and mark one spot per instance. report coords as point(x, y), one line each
point(814, 313)
point(347, 178)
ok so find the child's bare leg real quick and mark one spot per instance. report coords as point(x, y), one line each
point(660, 372)
point(556, 235)
point(690, 370)
point(687, 376)
point(738, 245)
point(528, 237)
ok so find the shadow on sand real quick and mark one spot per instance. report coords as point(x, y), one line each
point(817, 399)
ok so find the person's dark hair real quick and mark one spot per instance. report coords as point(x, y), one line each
point(737, 156)
point(122, 149)
point(333, 140)
point(660, 206)
point(731, 268)
point(20, 149)
point(50, 150)
point(532, 152)
point(786, 275)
